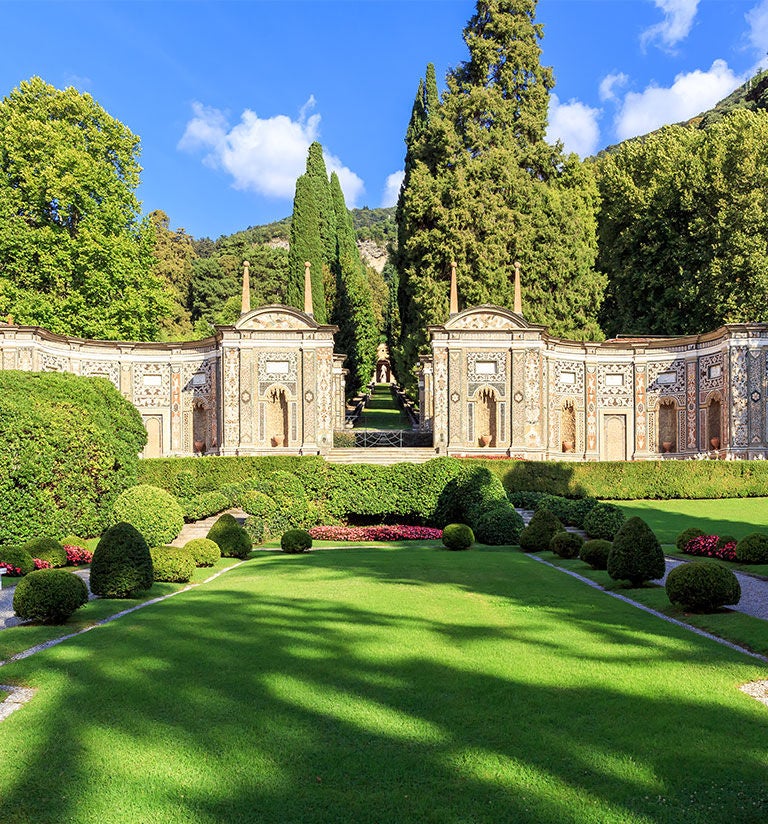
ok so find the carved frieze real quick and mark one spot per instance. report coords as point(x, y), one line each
point(101, 369)
point(151, 384)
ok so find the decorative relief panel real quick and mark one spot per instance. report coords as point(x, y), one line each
point(591, 408)
point(614, 384)
point(441, 393)
point(25, 359)
point(568, 378)
point(667, 377)
point(487, 368)
point(101, 369)
point(274, 320)
point(533, 405)
point(756, 392)
point(641, 408)
point(454, 410)
point(175, 409)
point(277, 367)
point(53, 363)
point(151, 384)
point(231, 392)
point(711, 374)
point(690, 406)
point(518, 397)
point(483, 320)
point(739, 396)
point(324, 393)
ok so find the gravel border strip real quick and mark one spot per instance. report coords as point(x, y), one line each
point(17, 698)
point(655, 612)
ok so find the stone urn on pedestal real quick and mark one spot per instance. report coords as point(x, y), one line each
point(485, 440)
point(278, 440)
point(714, 443)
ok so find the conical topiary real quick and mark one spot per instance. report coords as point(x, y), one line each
point(540, 531)
point(636, 555)
point(121, 565)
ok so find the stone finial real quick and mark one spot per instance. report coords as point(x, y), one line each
point(454, 301)
point(308, 308)
point(518, 293)
point(245, 305)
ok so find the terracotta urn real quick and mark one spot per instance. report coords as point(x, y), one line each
point(666, 446)
point(568, 446)
point(714, 443)
point(278, 440)
point(199, 446)
point(485, 440)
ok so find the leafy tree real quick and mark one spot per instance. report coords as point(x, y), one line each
point(75, 256)
point(174, 253)
point(358, 333)
point(483, 189)
point(683, 227)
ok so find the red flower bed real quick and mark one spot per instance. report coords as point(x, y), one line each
point(709, 546)
point(375, 533)
point(77, 555)
point(40, 564)
point(10, 569)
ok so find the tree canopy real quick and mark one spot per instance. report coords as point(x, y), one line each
point(75, 255)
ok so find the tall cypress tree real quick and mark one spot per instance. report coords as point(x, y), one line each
point(312, 235)
point(358, 333)
point(484, 189)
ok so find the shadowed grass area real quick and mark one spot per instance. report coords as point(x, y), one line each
point(382, 411)
point(401, 685)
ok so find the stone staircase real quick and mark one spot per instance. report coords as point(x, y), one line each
point(381, 456)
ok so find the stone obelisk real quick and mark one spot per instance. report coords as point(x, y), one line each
point(308, 308)
point(245, 305)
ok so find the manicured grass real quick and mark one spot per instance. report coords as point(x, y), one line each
point(403, 685)
point(382, 411)
point(723, 516)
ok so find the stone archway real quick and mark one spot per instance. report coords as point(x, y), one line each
point(277, 416)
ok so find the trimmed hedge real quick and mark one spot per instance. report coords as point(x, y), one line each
point(68, 447)
point(636, 555)
point(295, 541)
point(154, 512)
point(47, 549)
point(49, 595)
point(204, 552)
point(204, 504)
point(566, 544)
point(458, 537)
point(753, 549)
point(172, 564)
point(122, 564)
point(702, 586)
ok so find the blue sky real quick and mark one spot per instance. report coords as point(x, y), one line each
point(227, 96)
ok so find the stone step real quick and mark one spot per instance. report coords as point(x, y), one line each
point(381, 456)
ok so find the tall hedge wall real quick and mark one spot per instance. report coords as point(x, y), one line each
point(68, 447)
point(605, 480)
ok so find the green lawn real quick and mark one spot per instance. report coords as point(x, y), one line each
point(382, 411)
point(376, 685)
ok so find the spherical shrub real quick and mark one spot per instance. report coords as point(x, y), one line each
point(538, 534)
point(295, 540)
point(204, 551)
point(17, 558)
point(254, 526)
point(47, 549)
point(122, 563)
point(172, 564)
point(681, 542)
point(566, 544)
point(595, 553)
point(636, 555)
point(49, 595)
point(234, 542)
point(221, 524)
point(500, 525)
point(458, 536)
point(702, 586)
point(753, 549)
point(154, 512)
point(604, 521)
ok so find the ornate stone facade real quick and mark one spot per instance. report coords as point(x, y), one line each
point(624, 399)
point(271, 382)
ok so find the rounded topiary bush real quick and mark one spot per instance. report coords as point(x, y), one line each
point(122, 564)
point(172, 564)
point(566, 544)
point(539, 532)
point(234, 542)
point(702, 586)
point(636, 555)
point(49, 595)
point(47, 549)
point(204, 551)
point(580, 508)
point(603, 521)
point(558, 505)
point(681, 542)
point(753, 549)
point(17, 559)
point(595, 553)
point(500, 525)
point(458, 537)
point(154, 512)
point(295, 540)
point(221, 524)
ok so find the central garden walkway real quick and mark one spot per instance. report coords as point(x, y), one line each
point(382, 412)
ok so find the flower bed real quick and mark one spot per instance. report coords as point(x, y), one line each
point(77, 555)
point(396, 532)
point(710, 546)
point(11, 570)
point(41, 564)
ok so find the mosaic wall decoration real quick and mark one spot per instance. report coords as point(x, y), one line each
point(711, 374)
point(324, 396)
point(756, 360)
point(101, 369)
point(53, 363)
point(454, 410)
point(641, 409)
point(151, 384)
point(614, 385)
point(440, 368)
point(667, 377)
point(568, 378)
point(533, 405)
point(231, 393)
point(740, 397)
point(591, 408)
point(487, 369)
point(518, 397)
point(690, 406)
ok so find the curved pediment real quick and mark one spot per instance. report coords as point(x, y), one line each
point(275, 316)
point(489, 317)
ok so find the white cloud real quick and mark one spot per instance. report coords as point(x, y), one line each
point(575, 124)
point(677, 22)
point(392, 189)
point(610, 83)
point(264, 155)
point(690, 94)
point(757, 18)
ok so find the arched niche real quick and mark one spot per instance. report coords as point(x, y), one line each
point(486, 416)
point(714, 418)
point(568, 426)
point(667, 417)
point(277, 415)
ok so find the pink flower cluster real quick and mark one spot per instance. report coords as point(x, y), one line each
point(77, 555)
point(397, 532)
point(11, 570)
point(708, 546)
point(40, 564)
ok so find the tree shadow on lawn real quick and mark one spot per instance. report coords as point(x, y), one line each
point(237, 703)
